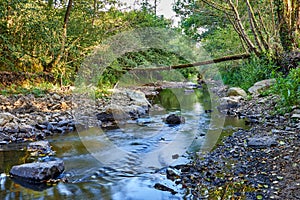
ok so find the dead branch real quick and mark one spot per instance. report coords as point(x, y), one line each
point(201, 63)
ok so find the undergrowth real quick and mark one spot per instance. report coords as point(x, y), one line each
point(38, 90)
point(257, 69)
point(289, 90)
point(249, 72)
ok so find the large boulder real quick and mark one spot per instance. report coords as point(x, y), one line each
point(38, 171)
point(236, 91)
point(260, 86)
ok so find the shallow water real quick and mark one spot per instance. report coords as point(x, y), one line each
point(125, 163)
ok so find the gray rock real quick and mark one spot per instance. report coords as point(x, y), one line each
point(260, 86)
point(42, 146)
point(118, 112)
point(56, 96)
point(295, 116)
point(41, 126)
point(229, 102)
point(64, 123)
point(104, 117)
point(261, 142)
point(25, 128)
point(138, 97)
point(236, 91)
point(3, 142)
point(174, 119)
point(6, 118)
point(37, 172)
point(50, 127)
point(136, 111)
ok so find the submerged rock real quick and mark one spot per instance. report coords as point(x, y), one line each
point(174, 119)
point(38, 172)
point(162, 187)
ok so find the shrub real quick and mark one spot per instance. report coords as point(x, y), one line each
point(289, 90)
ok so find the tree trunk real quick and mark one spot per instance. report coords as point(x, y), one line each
point(56, 60)
point(95, 11)
point(288, 23)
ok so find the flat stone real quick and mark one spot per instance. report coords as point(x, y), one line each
point(295, 116)
point(40, 146)
point(260, 86)
point(37, 172)
point(236, 91)
point(261, 142)
point(3, 142)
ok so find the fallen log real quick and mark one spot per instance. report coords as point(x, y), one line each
point(207, 62)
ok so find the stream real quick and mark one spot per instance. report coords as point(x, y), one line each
point(127, 162)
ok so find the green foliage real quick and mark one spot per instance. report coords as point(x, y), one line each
point(249, 72)
point(289, 90)
point(31, 33)
point(222, 41)
point(144, 59)
point(195, 15)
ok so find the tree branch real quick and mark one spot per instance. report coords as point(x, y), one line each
point(207, 62)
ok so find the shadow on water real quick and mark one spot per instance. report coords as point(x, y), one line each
point(126, 163)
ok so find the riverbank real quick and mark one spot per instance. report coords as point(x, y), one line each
point(259, 163)
point(29, 117)
point(26, 117)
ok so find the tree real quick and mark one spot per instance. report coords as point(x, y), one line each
point(288, 21)
point(55, 36)
point(267, 27)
